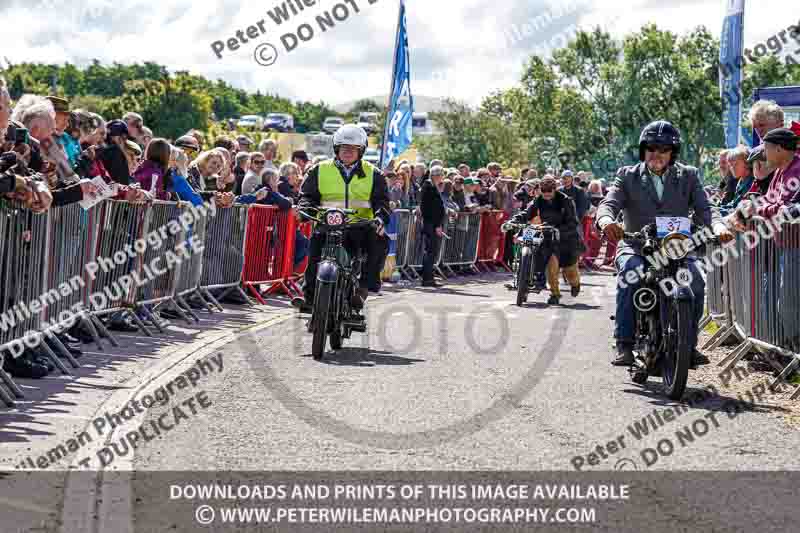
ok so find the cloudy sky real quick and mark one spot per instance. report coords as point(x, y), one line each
point(462, 49)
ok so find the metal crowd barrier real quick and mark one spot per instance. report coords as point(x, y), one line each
point(269, 251)
point(191, 271)
point(223, 254)
point(492, 240)
point(761, 290)
point(157, 272)
point(401, 242)
point(462, 248)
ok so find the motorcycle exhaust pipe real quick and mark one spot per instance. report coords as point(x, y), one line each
point(645, 299)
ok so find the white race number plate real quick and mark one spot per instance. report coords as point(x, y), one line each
point(667, 225)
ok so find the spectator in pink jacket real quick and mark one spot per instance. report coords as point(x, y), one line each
point(152, 173)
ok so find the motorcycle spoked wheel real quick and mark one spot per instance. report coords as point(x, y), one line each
point(676, 362)
point(322, 305)
point(524, 275)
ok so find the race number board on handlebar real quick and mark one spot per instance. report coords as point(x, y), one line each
point(667, 225)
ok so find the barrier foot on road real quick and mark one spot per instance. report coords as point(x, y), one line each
point(181, 303)
point(244, 295)
point(139, 323)
point(102, 330)
point(451, 271)
point(704, 322)
point(294, 287)
point(257, 295)
point(178, 309)
point(89, 325)
point(475, 268)
point(54, 358)
point(441, 273)
point(152, 318)
point(736, 355)
point(212, 299)
point(781, 378)
point(12, 386)
point(197, 293)
point(719, 337)
point(63, 350)
point(4, 396)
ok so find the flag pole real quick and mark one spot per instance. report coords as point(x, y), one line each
point(388, 118)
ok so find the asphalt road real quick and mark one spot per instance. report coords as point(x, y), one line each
point(452, 380)
point(459, 379)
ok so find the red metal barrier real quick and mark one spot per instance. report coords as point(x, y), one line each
point(491, 243)
point(593, 241)
point(269, 251)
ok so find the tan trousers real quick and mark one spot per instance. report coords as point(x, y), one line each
point(571, 272)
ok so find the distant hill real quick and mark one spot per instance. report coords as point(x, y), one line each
point(422, 104)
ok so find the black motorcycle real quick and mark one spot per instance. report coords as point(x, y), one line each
point(527, 243)
point(663, 310)
point(337, 281)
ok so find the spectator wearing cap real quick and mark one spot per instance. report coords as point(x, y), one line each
point(189, 145)
point(743, 172)
point(300, 158)
point(63, 132)
point(779, 146)
point(464, 170)
point(240, 170)
point(245, 143)
point(112, 153)
point(199, 137)
point(577, 195)
point(458, 195)
point(134, 122)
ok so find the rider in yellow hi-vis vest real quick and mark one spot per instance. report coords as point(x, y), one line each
point(347, 182)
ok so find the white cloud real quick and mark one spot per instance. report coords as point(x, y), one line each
point(458, 49)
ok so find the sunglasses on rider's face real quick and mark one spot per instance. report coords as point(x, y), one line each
point(659, 148)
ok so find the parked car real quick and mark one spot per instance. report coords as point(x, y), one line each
point(279, 122)
point(251, 122)
point(368, 121)
point(332, 124)
point(372, 155)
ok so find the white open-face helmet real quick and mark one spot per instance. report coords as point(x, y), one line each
point(352, 135)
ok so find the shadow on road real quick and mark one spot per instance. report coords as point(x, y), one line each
point(366, 357)
point(700, 399)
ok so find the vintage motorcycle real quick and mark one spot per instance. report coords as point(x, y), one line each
point(337, 281)
point(663, 306)
point(526, 245)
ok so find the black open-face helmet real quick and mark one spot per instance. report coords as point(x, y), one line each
point(660, 132)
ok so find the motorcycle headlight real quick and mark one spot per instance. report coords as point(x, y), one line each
point(675, 246)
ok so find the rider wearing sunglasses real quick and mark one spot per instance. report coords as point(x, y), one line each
point(658, 186)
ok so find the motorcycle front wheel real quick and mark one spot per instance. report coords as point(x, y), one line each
point(676, 363)
point(322, 305)
point(524, 275)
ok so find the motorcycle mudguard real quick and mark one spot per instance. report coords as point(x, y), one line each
point(682, 293)
point(327, 272)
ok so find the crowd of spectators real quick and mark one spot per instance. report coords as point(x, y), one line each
point(51, 155)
